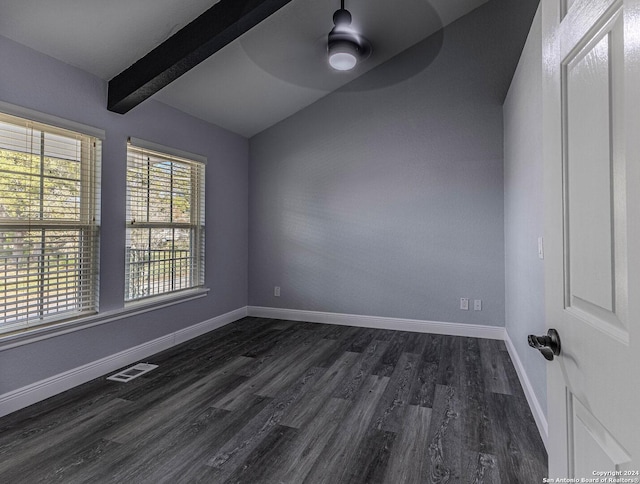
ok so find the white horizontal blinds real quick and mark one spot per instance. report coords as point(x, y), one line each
point(165, 230)
point(49, 192)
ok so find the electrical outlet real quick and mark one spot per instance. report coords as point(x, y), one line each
point(464, 303)
point(477, 304)
point(276, 291)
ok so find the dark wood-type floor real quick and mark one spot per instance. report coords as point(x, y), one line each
point(271, 401)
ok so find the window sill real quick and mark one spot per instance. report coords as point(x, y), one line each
point(133, 308)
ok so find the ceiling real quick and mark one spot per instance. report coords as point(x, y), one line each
point(264, 76)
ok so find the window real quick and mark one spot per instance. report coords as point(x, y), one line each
point(165, 222)
point(49, 223)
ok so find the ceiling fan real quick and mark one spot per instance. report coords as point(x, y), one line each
point(300, 48)
point(345, 46)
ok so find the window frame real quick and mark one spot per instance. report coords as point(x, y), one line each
point(196, 225)
point(87, 224)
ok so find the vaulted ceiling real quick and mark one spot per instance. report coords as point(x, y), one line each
point(265, 75)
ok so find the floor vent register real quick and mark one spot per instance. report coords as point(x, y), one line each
point(132, 372)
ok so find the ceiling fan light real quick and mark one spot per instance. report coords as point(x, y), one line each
point(342, 61)
point(345, 47)
point(343, 55)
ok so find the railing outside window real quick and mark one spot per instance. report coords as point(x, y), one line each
point(154, 272)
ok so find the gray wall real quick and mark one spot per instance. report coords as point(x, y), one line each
point(523, 209)
point(386, 197)
point(32, 80)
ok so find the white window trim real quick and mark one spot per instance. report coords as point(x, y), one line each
point(24, 337)
point(166, 150)
point(81, 129)
point(170, 151)
point(39, 117)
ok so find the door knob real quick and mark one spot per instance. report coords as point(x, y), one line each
point(548, 345)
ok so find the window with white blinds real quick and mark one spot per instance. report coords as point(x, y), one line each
point(49, 223)
point(165, 223)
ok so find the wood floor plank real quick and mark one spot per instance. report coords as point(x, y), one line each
point(183, 454)
point(281, 348)
point(389, 414)
point(147, 427)
point(337, 331)
point(385, 334)
point(410, 457)
point(351, 382)
point(212, 347)
point(395, 348)
point(444, 440)
point(236, 397)
point(307, 407)
point(423, 389)
point(433, 348)
point(265, 344)
point(480, 468)
point(236, 450)
point(361, 340)
point(416, 342)
point(49, 415)
point(280, 381)
point(213, 356)
point(167, 379)
point(495, 378)
point(283, 324)
point(477, 435)
point(77, 466)
point(333, 463)
point(372, 458)
point(266, 457)
point(200, 394)
point(304, 451)
point(126, 462)
point(47, 448)
point(513, 382)
point(520, 452)
point(449, 362)
point(424, 386)
point(344, 342)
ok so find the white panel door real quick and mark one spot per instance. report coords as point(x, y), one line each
point(591, 86)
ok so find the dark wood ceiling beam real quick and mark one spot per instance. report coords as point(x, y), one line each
point(220, 25)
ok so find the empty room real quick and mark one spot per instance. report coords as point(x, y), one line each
point(287, 241)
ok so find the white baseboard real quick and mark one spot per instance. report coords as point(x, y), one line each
point(30, 394)
point(534, 404)
point(201, 328)
point(415, 325)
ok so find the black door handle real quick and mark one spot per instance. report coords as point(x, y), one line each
point(548, 345)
